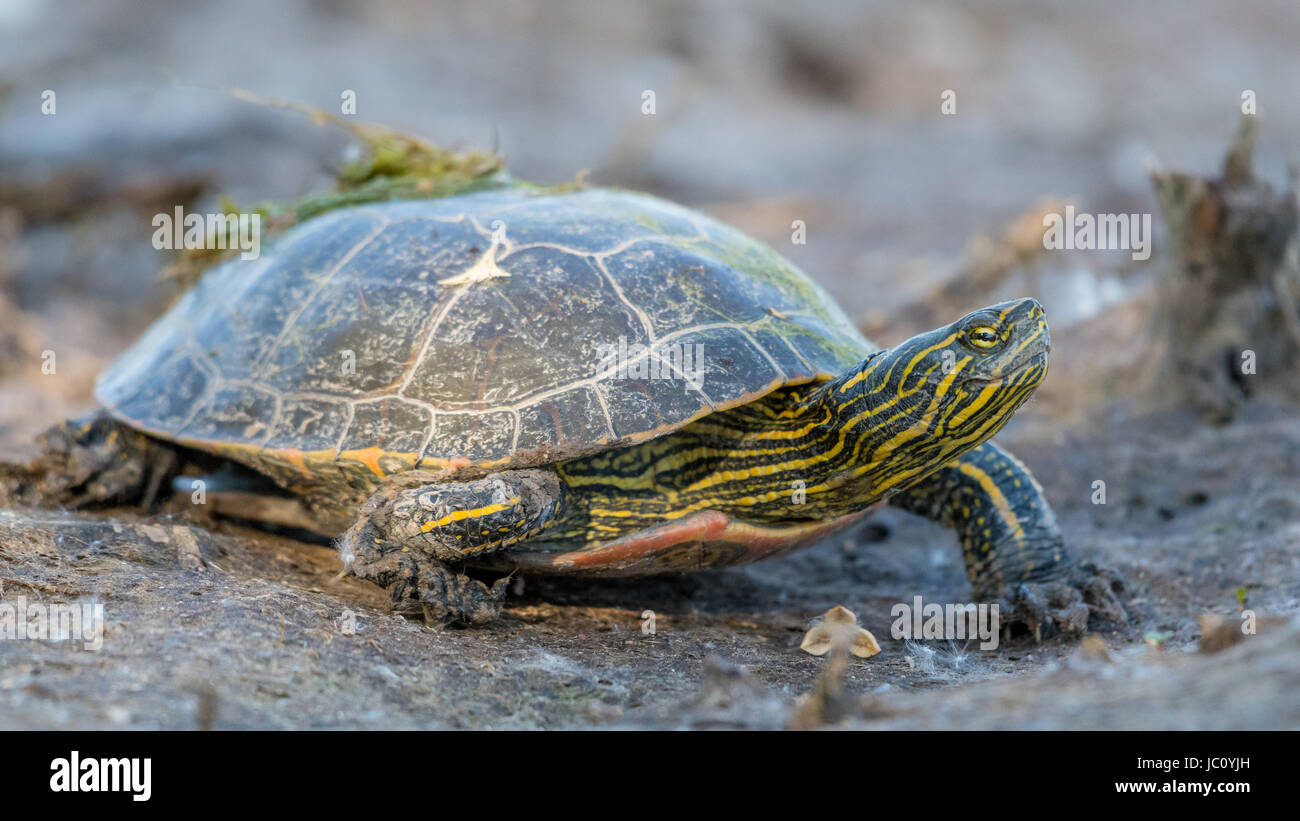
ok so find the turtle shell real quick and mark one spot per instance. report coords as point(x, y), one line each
point(498, 329)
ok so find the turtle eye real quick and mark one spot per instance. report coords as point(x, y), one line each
point(983, 336)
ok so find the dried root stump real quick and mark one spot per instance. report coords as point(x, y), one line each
point(1225, 321)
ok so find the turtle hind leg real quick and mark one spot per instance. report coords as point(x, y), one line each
point(411, 540)
point(96, 460)
point(1011, 543)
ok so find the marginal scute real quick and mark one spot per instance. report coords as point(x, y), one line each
point(474, 437)
point(733, 363)
point(237, 413)
point(309, 424)
point(637, 406)
point(391, 425)
point(561, 422)
point(187, 385)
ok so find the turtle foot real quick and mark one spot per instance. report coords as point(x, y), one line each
point(95, 461)
point(417, 584)
point(1087, 594)
point(428, 588)
point(450, 598)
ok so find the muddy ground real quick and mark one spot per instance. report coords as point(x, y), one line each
point(217, 625)
point(211, 624)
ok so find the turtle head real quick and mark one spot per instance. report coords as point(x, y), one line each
point(995, 357)
point(922, 403)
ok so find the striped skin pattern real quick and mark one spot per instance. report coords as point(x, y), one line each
point(1007, 529)
point(824, 451)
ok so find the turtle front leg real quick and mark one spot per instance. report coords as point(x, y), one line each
point(410, 540)
point(92, 461)
point(1011, 543)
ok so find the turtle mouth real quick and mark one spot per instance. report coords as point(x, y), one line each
point(1015, 369)
point(1004, 380)
point(1008, 392)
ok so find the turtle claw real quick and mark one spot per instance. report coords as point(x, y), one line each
point(1088, 593)
point(428, 588)
point(1101, 587)
point(449, 598)
point(419, 585)
point(1049, 607)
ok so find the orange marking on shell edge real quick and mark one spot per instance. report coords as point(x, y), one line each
point(370, 458)
point(294, 457)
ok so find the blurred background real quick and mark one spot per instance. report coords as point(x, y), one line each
point(765, 112)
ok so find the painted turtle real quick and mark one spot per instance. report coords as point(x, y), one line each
point(592, 381)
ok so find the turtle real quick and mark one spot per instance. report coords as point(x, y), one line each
point(591, 381)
